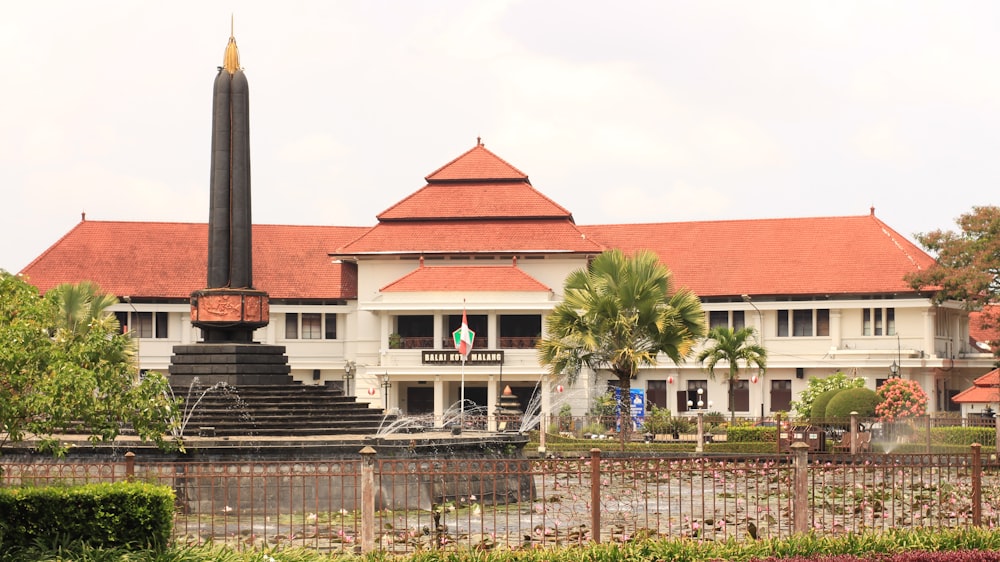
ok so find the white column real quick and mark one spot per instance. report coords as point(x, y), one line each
point(836, 332)
point(438, 401)
point(493, 325)
point(438, 329)
point(930, 330)
point(491, 403)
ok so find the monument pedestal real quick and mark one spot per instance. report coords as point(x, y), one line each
point(232, 363)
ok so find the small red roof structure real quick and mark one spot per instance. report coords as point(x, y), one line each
point(985, 390)
point(500, 278)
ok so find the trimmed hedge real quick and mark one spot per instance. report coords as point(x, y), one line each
point(125, 514)
point(986, 436)
point(745, 434)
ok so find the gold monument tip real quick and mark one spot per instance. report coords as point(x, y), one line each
point(231, 60)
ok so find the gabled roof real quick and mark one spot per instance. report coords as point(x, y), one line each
point(775, 257)
point(477, 185)
point(477, 163)
point(984, 390)
point(501, 278)
point(169, 260)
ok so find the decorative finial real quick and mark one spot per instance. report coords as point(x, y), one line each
point(873, 210)
point(479, 141)
point(83, 216)
point(231, 60)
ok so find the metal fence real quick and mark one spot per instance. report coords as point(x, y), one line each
point(407, 505)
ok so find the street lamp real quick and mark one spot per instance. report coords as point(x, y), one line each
point(894, 370)
point(349, 369)
point(386, 385)
point(760, 339)
point(701, 403)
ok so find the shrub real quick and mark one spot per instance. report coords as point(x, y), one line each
point(860, 400)
point(748, 434)
point(815, 386)
point(124, 514)
point(963, 435)
point(900, 398)
point(819, 405)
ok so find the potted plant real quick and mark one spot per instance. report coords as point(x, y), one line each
point(395, 341)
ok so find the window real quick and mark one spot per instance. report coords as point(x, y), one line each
point(310, 326)
point(878, 322)
point(726, 319)
point(718, 319)
point(144, 324)
point(781, 395)
point(695, 397)
point(741, 396)
point(656, 393)
point(804, 323)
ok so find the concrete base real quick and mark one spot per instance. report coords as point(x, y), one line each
point(232, 363)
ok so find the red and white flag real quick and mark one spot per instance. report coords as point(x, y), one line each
point(464, 338)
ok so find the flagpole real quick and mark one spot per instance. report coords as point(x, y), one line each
point(461, 415)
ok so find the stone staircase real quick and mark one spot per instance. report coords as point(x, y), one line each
point(292, 410)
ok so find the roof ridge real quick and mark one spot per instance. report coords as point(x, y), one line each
point(479, 147)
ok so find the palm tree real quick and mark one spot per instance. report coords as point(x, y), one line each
point(618, 314)
point(80, 305)
point(732, 346)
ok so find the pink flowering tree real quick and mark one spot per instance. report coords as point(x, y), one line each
point(900, 398)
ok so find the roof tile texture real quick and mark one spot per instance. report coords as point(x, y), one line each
point(466, 278)
point(169, 260)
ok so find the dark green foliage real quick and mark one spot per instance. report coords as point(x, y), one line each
point(133, 515)
point(749, 447)
point(819, 405)
point(860, 400)
point(956, 435)
point(742, 434)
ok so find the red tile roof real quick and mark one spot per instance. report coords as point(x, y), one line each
point(476, 163)
point(468, 237)
point(169, 260)
point(465, 278)
point(801, 256)
point(983, 328)
point(985, 390)
point(477, 185)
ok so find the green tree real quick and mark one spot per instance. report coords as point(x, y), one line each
point(58, 376)
point(620, 313)
point(82, 306)
point(732, 347)
point(967, 263)
point(817, 386)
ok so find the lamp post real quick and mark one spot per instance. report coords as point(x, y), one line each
point(131, 330)
point(894, 370)
point(760, 340)
point(349, 370)
point(386, 385)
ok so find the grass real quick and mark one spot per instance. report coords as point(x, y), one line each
point(808, 545)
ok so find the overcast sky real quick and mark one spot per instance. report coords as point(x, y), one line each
point(619, 111)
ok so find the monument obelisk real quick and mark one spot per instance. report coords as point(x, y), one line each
point(230, 308)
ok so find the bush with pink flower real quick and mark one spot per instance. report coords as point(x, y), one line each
point(900, 398)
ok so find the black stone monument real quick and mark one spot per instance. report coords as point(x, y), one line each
point(230, 309)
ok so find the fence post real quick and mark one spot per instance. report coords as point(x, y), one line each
point(129, 466)
point(800, 497)
point(927, 426)
point(854, 433)
point(997, 418)
point(367, 499)
point(977, 485)
point(595, 495)
point(699, 447)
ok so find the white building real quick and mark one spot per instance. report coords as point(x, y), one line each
point(827, 294)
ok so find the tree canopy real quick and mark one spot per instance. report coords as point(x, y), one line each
point(618, 314)
point(732, 347)
point(65, 370)
point(968, 262)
